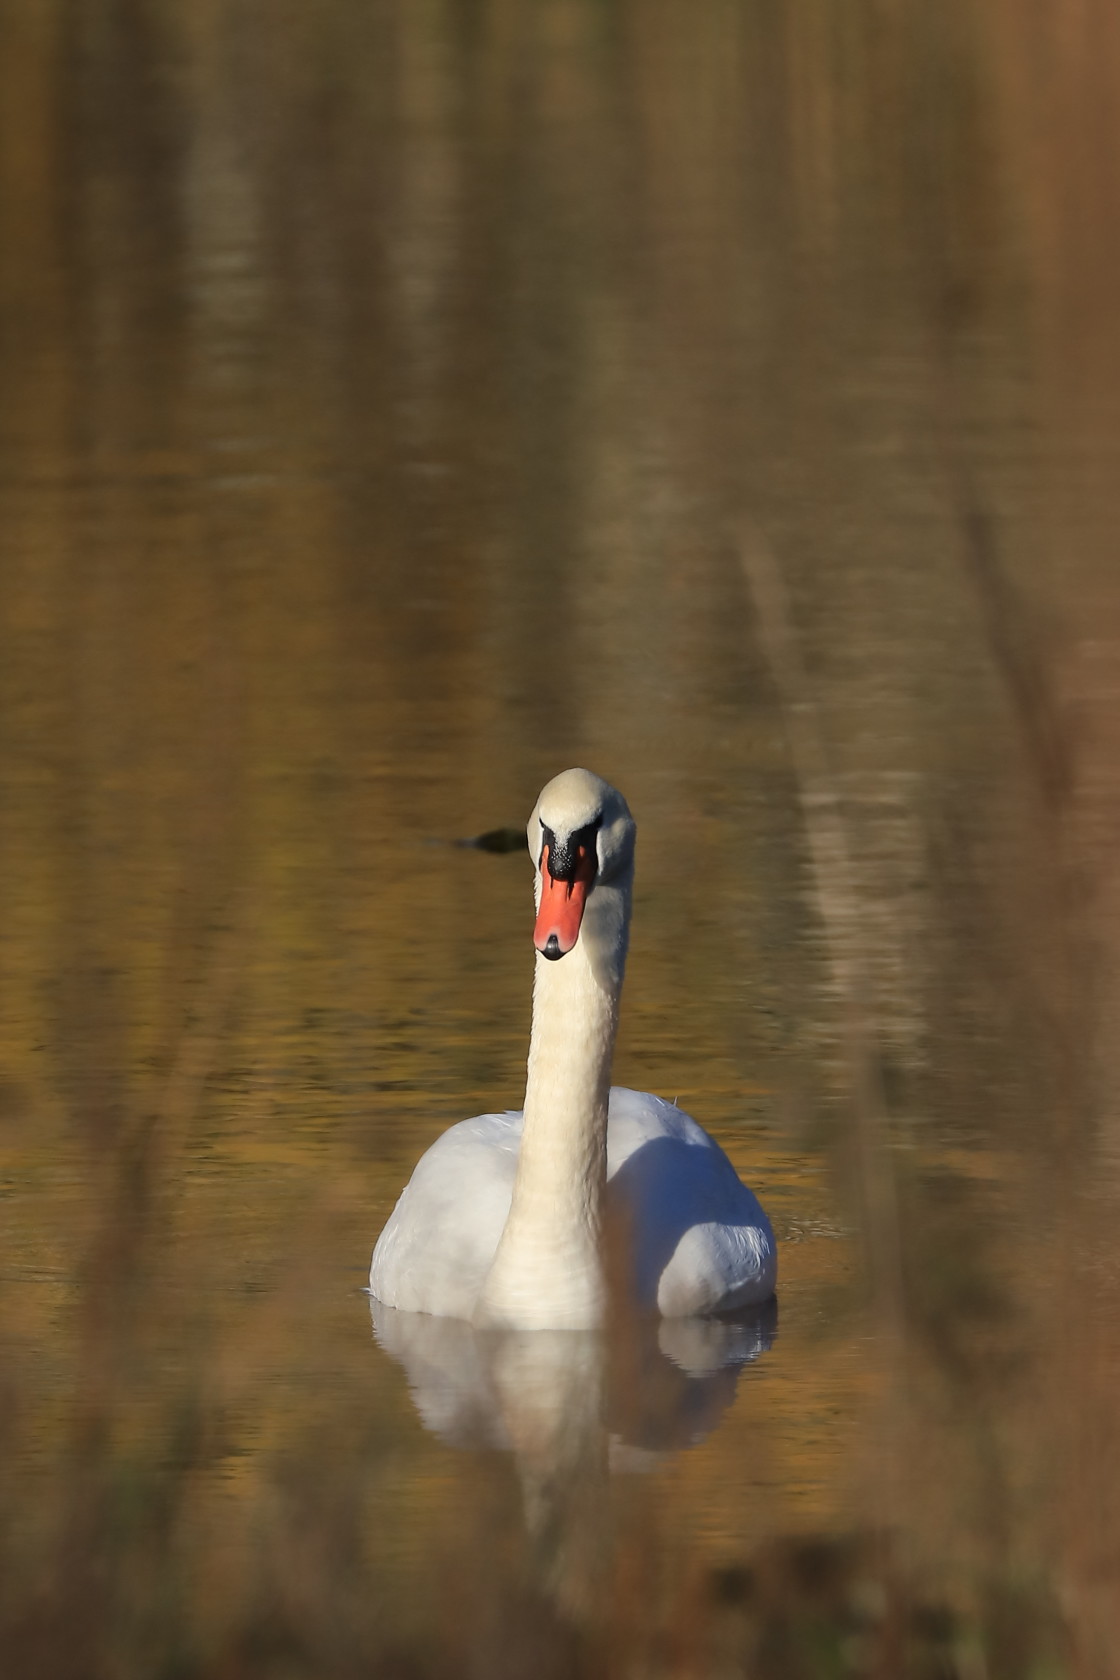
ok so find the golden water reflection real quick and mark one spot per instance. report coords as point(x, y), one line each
point(399, 404)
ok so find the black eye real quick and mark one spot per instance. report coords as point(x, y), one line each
point(585, 837)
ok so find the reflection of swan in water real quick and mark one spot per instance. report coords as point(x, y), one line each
point(571, 1406)
point(651, 1386)
point(509, 1219)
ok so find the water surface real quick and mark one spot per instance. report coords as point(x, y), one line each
point(401, 404)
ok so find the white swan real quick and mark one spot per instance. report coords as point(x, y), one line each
point(518, 1219)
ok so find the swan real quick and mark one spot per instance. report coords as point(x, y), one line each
point(537, 1220)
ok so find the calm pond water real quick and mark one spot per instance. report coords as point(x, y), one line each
point(401, 403)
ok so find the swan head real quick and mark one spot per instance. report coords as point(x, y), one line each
point(581, 838)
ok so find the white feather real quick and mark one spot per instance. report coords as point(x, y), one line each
point(700, 1240)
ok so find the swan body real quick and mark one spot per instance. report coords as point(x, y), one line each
point(515, 1219)
point(700, 1242)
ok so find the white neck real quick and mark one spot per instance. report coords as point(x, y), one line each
point(548, 1269)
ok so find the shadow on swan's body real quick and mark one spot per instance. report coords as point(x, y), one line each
point(536, 1220)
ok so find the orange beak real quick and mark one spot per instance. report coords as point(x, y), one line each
point(562, 902)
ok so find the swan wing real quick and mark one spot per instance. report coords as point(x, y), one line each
point(439, 1241)
point(698, 1238)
